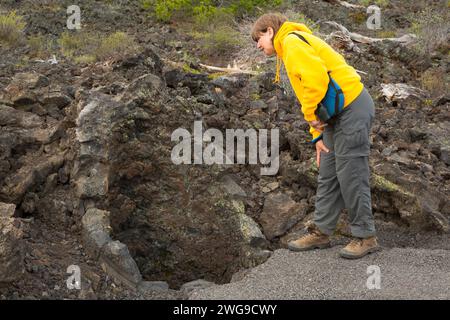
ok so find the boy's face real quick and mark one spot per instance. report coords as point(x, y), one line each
point(265, 42)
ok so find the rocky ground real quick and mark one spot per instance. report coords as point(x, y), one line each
point(86, 176)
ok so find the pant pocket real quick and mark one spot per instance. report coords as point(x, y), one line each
point(357, 138)
point(353, 143)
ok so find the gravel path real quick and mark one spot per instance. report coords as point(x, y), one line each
point(406, 273)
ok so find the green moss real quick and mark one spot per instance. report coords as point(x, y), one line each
point(188, 69)
point(255, 96)
point(221, 203)
point(216, 75)
point(238, 206)
point(314, 169)
point(384, 184)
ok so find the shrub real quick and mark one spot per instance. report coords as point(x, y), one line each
point(435, 81)
point(85, 47)
point(40, 46)
point(432, 30)
point(211, 22)
point(115, 45)
point(75, 43)
point(164, 10)
point(219, 41)
point(242, 8)
point(11, 28)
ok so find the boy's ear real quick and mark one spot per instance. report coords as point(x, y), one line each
point(270, 30)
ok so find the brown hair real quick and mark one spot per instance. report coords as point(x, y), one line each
point(273, 20)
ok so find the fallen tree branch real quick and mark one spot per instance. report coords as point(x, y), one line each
point(346, 4)
point(228, 69)
point(349, 5)
point(405, 39)
point(401, 91)
point(344, 41)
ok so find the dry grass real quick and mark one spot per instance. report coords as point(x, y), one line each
point(435, 81)
point(11, 29)
point(432, 28)
point(40, 46)
point(83, 47)
point(116, 45)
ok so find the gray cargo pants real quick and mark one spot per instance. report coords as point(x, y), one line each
point(344, 171)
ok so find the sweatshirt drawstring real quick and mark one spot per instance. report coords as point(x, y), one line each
point(277, 74)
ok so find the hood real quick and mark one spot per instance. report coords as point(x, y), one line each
point(285, 29)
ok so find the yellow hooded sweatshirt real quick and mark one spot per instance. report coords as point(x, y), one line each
point(307, 66)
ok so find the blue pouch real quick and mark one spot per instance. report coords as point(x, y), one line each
point(333, 102)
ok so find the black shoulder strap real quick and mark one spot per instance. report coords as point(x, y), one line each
point(301, 37)
point(338, 91)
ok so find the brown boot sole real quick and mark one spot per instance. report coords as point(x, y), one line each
point(354, 256)
point(312, 247)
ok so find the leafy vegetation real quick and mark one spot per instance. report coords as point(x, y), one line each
point(211, 22)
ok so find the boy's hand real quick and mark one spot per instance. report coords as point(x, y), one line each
point(320, 146)
point(318, 125)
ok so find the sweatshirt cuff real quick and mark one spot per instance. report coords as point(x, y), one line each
point(313, 141)
point(310, 116)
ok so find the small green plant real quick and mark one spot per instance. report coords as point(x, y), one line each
point(115, 45)
point(219, 41)
point(75, 43)
point(188, 69)
point(428, 102)
point(216, 75)
point(11, 29)
point(40, 46)
point(255, 96)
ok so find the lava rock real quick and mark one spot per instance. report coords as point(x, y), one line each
point(280, 213)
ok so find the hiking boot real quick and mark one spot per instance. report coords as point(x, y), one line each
point(314, 239)
point(359, 247)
